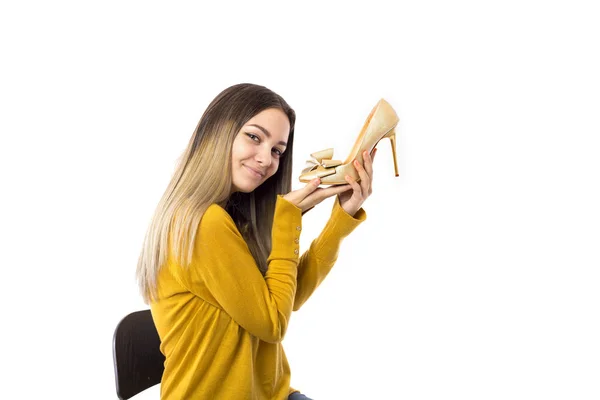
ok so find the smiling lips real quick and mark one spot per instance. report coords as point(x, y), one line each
point(254, 172)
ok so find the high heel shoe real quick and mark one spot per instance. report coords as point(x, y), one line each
point(380, 123)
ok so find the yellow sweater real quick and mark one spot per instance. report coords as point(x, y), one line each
point(221, 322)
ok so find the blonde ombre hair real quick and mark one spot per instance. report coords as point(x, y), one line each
point(203, 177)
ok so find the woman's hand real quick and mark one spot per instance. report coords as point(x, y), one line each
point(352, 200)
point(311, 194)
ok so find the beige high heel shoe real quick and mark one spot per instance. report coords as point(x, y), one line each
point(380, 123)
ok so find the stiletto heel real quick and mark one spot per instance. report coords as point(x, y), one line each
point(380, 123)
point(392, 136)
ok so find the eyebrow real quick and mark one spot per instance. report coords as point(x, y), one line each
point(266, 132)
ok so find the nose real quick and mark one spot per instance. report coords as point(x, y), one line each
point(264, 157)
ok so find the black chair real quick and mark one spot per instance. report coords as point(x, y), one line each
point(139, 364)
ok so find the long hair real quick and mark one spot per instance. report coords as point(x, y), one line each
point(203, 177)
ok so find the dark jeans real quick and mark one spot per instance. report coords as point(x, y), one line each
point(298, 396)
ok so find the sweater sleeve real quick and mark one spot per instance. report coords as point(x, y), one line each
point(222, 264)
point(317, 261)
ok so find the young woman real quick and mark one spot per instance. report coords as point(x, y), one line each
point(220, 265)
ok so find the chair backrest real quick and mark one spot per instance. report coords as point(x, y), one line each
point(139, 364)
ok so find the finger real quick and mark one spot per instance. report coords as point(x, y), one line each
point(333, 190)
point(300, 195)
point(370, 170)
point(355, 185)
point(369, 162)
point(311, 186)
point(365, 179)
point(321, 194)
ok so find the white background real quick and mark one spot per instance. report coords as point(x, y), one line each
point(476, 274)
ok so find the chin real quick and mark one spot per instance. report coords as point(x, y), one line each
point(245, 187)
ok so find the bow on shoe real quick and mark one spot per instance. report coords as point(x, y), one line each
point(321, 162)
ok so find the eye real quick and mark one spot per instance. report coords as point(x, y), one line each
point(257, 140)
point(251, 136)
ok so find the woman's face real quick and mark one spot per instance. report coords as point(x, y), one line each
point(257, 149)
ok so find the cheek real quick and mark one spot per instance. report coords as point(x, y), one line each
point(274, 167)
point(240, 150)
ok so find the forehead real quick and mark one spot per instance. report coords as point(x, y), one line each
point(274, 120)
